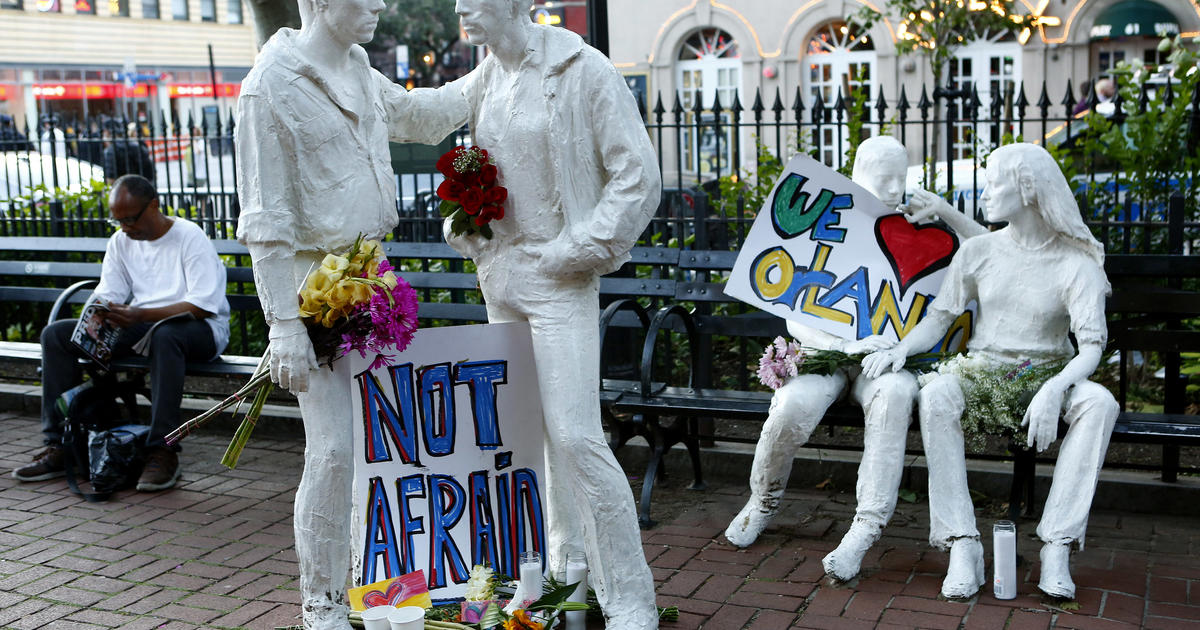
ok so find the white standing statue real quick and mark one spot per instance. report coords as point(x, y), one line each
point(1035, 281)
point(314, 172)
point(799, 405)
point(583, 182)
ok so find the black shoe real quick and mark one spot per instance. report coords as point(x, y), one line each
point(161, 470)
point(47, 464)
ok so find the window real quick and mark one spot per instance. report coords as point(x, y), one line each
point(118, 8)
point(235, 12)
point(709, 66)
point(48, 6)
point(990, 64)
point(150, 9)
point(208, 10)
point(179, 10)
point(12, 4)
point(840, 59)
point(85, 7)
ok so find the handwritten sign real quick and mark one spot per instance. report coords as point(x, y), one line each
point(448, 457)
point(826, 253)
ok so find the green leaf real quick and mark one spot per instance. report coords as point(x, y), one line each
point(554, 598)
point(447, 208)
point(459, 222)
point(485, 230)
point(906, 495)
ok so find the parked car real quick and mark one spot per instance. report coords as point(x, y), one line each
point(22, 171)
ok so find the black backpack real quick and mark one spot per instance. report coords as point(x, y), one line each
point(99, 444)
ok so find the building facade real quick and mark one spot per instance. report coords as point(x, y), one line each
point(707, 49)
point(134, 59)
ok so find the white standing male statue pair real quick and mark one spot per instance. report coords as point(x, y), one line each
point(1035, 281)
point(314, 172)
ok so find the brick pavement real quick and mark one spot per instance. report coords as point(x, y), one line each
point(217, 553)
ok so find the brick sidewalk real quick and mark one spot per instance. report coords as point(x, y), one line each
point(217, 553)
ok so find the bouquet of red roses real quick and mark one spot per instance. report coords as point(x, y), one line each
point(470, 196)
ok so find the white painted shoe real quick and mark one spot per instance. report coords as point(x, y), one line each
point(326, 617)
point(749, 523)
point(1056, 571)
point(844, 563)
point(633, 620)
point(965, 576)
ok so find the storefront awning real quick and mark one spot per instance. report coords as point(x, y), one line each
point(1135, 18)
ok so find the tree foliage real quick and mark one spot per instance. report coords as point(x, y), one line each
point(427, 27)
point(936, 29)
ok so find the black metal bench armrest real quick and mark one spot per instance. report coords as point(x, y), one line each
point(65, 296)
point(611, 311)
point(656, 324)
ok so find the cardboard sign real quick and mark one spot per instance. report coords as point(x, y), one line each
point(826, 253)
point(449, 468)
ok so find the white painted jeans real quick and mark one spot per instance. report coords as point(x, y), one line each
point(798, 407)
point(1090, 411)
point(590, 504)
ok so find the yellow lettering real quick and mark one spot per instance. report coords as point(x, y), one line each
point(961, 328)
point(809, 305)
point(777, 258)
point(887, 310)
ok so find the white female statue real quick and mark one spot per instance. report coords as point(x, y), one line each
point(798, 406)
point(582, 182)
point(314, 172)
point(1035, 281)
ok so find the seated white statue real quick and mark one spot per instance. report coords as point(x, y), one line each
point(1035, 281)
point(886, 399)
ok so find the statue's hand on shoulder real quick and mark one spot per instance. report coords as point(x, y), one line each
point(292, 355)
point(924, 206)
point(1042, 415)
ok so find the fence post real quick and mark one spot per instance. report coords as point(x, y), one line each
point(1175, 398)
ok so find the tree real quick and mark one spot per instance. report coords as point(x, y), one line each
point(937, 29)
point(272, 15)
point(428, 27)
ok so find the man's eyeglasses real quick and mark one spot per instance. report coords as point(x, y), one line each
point(115, 222)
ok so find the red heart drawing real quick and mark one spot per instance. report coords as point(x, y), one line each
point(378, 598)
point(914, 252)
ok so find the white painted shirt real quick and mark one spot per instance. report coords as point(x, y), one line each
point(1029, 298)
point(179, 266)
point(313, 173)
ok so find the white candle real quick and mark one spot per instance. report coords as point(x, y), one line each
point(577, 571)
point(531, 576)
point(1004, 559)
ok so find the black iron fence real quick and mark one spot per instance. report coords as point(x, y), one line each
point(710, 153)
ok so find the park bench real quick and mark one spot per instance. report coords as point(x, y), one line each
point(44, 276)
point(1146, 315)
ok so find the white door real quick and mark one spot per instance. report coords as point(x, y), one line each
point(838, 58)
point(709, 66)
point(992, 65)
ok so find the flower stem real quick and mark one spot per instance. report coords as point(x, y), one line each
point(234, 452)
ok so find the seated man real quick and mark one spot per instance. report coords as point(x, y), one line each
point(887, 401)
point(163, 266)
point(1035, 281)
